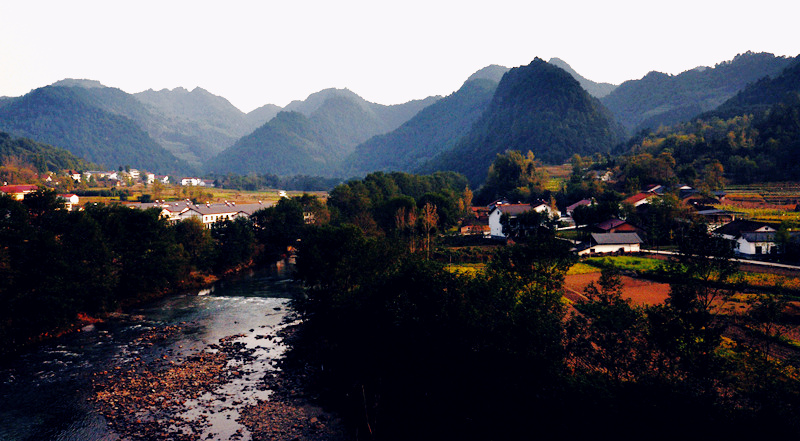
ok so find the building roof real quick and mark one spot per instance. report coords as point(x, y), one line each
point(739, 226)
point(615, 238)
point(638, 197)
point(513, 209)
point(609, 224)
point(579, 203)
point(18, 188)
point(768, 236)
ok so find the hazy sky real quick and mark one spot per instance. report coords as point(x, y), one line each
point(259, 52)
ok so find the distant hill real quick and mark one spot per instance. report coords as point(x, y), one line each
point(70, 118)
point(42, 156)
point(433, 130)
point(595, 89)
point(196, 124)
point(538, 107)
point(391, 116)
point(661, 99)
point(764, 93)
point(313, 136)
point(492, 72)
point(755, 135)
point(257, 117)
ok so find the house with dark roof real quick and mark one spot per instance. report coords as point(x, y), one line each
point(752, 238)
point(602, 243)
point(580, 203)
point(615, 226)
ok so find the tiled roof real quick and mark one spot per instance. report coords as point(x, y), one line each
point(513, 209)
point(18, 188)
point(615, 238)
point(609, 224)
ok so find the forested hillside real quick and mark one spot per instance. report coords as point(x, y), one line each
point(41, 156)
point(433, 130)
point(661, 99)
point(68, 117)
point(538, 107)
point(754, 136)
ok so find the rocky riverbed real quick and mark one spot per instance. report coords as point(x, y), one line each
point(201, 395)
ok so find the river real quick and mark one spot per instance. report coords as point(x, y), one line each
point(45, 393)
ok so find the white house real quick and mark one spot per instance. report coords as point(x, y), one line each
point(612, 243)
point(191, 181)
point(70, 200)
point(149, 178)
point(543, 207)
point(512, 210)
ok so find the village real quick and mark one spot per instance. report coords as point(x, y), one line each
point(749, 239)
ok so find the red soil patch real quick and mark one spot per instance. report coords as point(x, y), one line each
point(640, 291)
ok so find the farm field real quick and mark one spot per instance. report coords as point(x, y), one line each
point(769, 202)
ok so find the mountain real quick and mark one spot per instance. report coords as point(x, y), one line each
point(42, 156)
point(391, 116)
point(661, 99)
point(197, 125)
point(433, 130)
point(597, 90)
point(538, 107)
point(313, 136)
point(764, 93)
point(256, 118)
point(493, 72)
point(69, 117)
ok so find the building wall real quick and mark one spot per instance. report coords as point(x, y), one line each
point(600, 249)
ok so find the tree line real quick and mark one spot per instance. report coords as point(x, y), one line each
point(55, 264)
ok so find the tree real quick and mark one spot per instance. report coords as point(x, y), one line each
point(429, 219)
point(686, 329)
point(513, 173)
point(611, 335)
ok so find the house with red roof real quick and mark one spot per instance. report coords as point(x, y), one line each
point(640, 199)
point(18, 192)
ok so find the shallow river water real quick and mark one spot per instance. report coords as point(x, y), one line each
point(44, 393)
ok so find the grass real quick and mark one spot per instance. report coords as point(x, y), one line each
point(582, 268)
point(626, 263)
point(466, 268)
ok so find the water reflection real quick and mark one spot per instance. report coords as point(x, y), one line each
point(44, 393)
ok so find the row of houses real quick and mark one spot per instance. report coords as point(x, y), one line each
point(206, 213)
point(749, 239)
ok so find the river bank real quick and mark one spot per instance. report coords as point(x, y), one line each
point(179, 397)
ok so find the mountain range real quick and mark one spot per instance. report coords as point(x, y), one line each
point(545, 107)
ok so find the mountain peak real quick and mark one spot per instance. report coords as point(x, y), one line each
point(84, 83)
point(492, 72)
point(597, 90)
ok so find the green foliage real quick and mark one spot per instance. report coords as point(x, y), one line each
point(278, 227)
point(67, 118)
point(392, 329)
point(256, 182)
point(55, 264)
point(514, 176)
point(372, 203)
point(753, 137)
point(42, 156)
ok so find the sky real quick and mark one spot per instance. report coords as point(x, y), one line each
point(272, 52)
